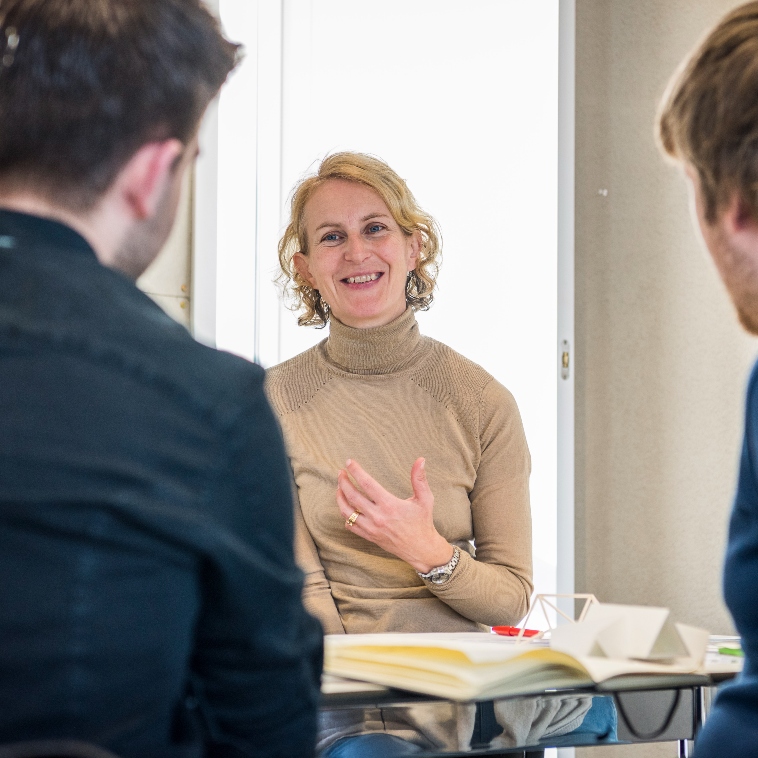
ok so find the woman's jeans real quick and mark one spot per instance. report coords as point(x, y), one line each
point(370, 746)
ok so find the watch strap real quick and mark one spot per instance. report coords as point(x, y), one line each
point(441, 574)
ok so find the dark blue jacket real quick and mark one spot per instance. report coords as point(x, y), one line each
point(731, 729)
point(149, 599)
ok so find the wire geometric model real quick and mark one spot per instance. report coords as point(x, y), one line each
point(544, 603)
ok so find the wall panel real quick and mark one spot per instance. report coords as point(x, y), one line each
point(661, 361)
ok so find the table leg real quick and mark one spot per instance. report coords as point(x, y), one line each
point(685, 748)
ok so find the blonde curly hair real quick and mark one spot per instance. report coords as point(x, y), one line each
point(376, 174)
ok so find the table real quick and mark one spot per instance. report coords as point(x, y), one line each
point(653, 711)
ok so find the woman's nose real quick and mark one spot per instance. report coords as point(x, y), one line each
point(356, 250)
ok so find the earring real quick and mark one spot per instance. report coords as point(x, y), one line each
point(318, 295)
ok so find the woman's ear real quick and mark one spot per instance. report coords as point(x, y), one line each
point(300, 261)
point(415, 250)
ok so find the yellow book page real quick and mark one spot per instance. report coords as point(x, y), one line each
point(451, 673)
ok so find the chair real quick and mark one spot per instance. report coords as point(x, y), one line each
point(54, 749)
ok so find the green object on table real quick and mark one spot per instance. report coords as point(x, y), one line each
point(732, 651)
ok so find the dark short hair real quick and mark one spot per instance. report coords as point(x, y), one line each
point(708, 118)
point(85, 83)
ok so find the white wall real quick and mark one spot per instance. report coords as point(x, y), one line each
point(661, 361)
point(168, 279)
point(438, 90)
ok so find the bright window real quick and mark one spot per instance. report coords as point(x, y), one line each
point(461, 98)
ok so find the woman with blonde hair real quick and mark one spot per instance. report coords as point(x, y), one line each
point(410, 461)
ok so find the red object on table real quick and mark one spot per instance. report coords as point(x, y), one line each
point(513, 631)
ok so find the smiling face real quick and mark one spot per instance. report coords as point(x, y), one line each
point(358, 257)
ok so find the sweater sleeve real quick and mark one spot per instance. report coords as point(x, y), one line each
point(317, 593)
point(494, 588)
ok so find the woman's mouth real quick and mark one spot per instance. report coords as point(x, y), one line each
point(362, 279)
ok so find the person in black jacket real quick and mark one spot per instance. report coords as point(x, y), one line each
point(149, 598)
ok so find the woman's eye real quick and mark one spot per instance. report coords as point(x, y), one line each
point(331, 237)
point(374, 228)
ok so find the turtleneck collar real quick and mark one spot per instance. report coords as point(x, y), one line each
point(379, 350)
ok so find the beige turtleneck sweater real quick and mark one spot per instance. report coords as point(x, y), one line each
point(384, 397)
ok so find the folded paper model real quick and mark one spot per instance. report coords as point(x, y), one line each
point(631, 631)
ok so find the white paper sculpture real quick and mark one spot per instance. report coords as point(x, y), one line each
point(631, 631)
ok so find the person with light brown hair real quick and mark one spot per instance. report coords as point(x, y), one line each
point(708, 123)
point(410, 461)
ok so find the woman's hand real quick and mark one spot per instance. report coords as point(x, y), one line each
point(404, 528)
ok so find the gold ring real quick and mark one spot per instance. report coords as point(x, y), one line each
point(353, 518)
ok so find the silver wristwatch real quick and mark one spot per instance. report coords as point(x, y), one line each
point(441, 574)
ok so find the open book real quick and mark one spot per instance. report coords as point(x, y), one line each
point(477, 666)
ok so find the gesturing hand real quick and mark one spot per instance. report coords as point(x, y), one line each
point(404, 528)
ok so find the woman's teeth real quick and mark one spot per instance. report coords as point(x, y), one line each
point(362, 279)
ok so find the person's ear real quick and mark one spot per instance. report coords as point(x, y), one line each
point(740, 225)
point(415, 250)
point(146, 174)
point(301, 266)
